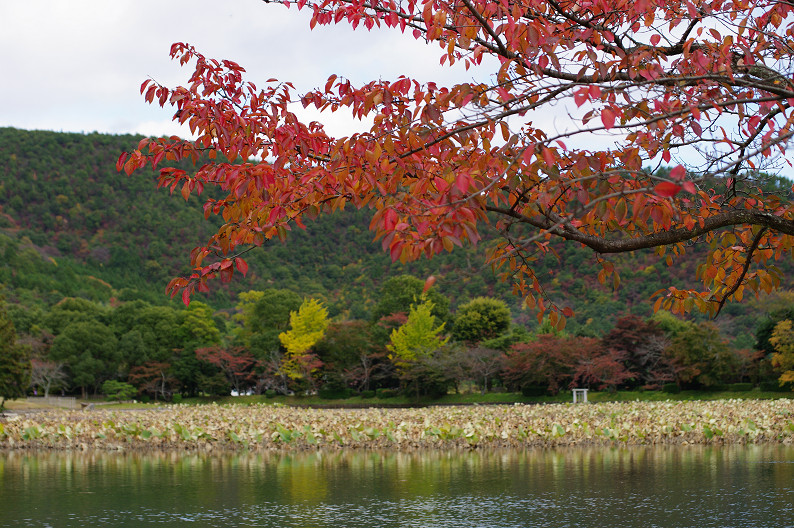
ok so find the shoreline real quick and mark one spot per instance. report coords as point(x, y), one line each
point(225, 428)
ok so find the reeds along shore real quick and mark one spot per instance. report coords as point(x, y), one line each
point(209, 427)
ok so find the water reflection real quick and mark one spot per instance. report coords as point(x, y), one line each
point(673, 486)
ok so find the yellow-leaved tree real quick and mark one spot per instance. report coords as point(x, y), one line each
point(307, 326)
point(783, 358)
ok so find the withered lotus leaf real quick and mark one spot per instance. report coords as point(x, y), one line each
point(278, 427)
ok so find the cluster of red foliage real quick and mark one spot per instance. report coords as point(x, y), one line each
point(633, 354)
point(711, 83)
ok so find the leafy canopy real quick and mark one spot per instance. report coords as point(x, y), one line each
point(480, 319)
point(307, 326)
point(419, 336)
point(656, 82)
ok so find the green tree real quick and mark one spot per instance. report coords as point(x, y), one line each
point(262, 316)
point(118, 390)
point(416, 350)
point(398, 294)
point(198, 327)
point(767, 327)
point(158, 328)
point(701, 356)
point(14, 360)
point(671, 325)
point(480, 319)
point(90, 351)
point(419, 336)
point(516, 334)
point(73, 310)
point(351, 356)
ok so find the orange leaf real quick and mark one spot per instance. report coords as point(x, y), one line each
point(429, 283)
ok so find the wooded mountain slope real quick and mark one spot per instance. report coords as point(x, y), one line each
point(70, 225)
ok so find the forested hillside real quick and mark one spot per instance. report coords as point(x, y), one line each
point(85, 254)
point(70, 225)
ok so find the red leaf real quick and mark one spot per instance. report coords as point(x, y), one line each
point(693, 12)
point(678, 173)
point(389, 219)
point(608, 118)
point(330, 83)
point(580, 97)
point(462, 182)
point(120, 162)
point(396, 251)
point(186, 296)
point(186, 191)
point(655, 39)
point(242, 266)
point(226, 274)
point(667, 189)
point(548, 157)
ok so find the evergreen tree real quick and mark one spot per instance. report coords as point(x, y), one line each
point(14, 360)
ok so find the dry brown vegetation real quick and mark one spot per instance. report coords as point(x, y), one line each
point(275, 427)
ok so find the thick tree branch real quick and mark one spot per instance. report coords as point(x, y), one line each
point(652, 240)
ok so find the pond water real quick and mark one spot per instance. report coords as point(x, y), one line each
point(639, 487)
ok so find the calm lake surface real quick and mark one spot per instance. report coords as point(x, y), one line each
point(639, 487)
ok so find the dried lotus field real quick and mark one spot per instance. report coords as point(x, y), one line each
point(209, 427)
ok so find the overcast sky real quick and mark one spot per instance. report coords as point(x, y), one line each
point(77, 66)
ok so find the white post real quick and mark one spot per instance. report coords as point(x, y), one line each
point(579, 395)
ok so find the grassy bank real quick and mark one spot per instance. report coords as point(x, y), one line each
point(261, 426)
point(494, 398)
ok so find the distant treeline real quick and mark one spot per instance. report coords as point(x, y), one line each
point(412, 345)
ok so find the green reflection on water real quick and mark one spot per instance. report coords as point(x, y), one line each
point(674, 486)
